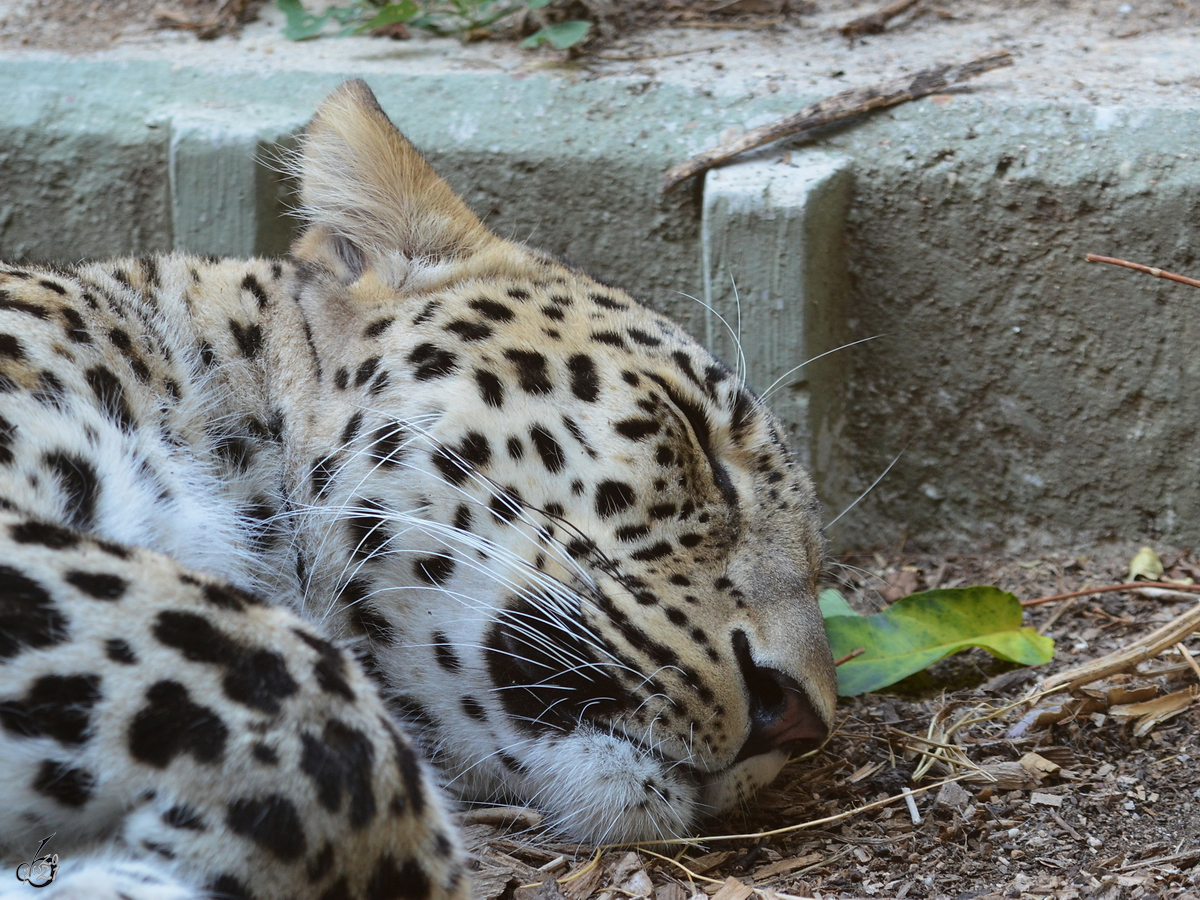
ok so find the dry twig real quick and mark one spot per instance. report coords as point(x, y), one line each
point(876, 21)
point(1127, 586)
point(838, 107)
point(1149, 270)
point(1149, 646)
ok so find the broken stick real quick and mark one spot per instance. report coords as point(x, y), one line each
point(1148, 646)
point(876, 21)
point(1149, 270)
point(839, 106)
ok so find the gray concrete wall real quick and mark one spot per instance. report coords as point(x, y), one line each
point(1033, 398)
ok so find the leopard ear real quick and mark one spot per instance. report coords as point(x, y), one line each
point(371, 201)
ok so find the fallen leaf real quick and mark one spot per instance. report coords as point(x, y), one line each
point(1145, 564)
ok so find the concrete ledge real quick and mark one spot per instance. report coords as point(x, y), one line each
point(1041, 400)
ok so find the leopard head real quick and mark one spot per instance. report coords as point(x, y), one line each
point(578, 550)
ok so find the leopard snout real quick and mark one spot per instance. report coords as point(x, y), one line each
point(781, 711)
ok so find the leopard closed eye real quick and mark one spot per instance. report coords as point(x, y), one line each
point(572, 557)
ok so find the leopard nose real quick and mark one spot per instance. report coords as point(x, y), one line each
point(781, 712)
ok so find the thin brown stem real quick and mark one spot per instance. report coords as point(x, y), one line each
point(1127, 586)
point(1149, 270)
point(838, 107)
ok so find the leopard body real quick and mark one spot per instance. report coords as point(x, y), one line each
point(271, 532)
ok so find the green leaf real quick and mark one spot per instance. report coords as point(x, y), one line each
point(920, 629)
point(404, 11)
point(537, 4)
point(562, 35)
point(301, 24)
point(832, 603)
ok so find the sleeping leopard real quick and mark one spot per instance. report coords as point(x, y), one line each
point(293, 551)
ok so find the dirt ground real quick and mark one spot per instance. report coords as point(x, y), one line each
point(1102, 810)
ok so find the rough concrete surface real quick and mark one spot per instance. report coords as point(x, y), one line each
point(1032, 398)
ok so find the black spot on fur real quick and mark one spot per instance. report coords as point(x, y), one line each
point(490, 309)
point(50, 391)
point(387, 444)
point(611, 338)
point(444, 653)
point(631, 533)
point(350, 432)
point(491, 388)
point(378, 327)
point(432, 362)
point(322, 473)
point(271, 822)
point(369, 622)
point(607, 302)
point(531, 371)
point(225, 596)
point(339, 763)
point(265, 755)
point(641, 337)
point(548, 449)
point(554, 313)
point(68, 785)
point(367, 525)
point(119, 652)
point(248, 337)
point(7, 301)
point(227, 887)
point(55, 706)
point(11, 348)
point(427, 313)
point(474, 709)
point(613, 497)
point(341, 378)
point(8, 434)
point(75, 328)
point(45, 533)
point(471, 331)
point(393, 881)
point(330, 668)
point(463, 517)
point(455, 464)
point(111, 396)
point(515, 448)
point(79, 482)
point(433, 569)
point(506, 505)
point(28, 617)
point(251, 284)
point(121, 340)
point(653, 552)
point(365, 370)
point(184, 817)
point(254, 677)
point(98, 585)
point(637, 429)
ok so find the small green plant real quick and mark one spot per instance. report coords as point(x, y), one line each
point(444, 17)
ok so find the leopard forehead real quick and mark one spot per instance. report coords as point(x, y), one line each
point(566, 396)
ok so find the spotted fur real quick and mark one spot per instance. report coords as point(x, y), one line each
point(571, 554)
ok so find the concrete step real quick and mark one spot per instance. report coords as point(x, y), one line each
point(1032, 398)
